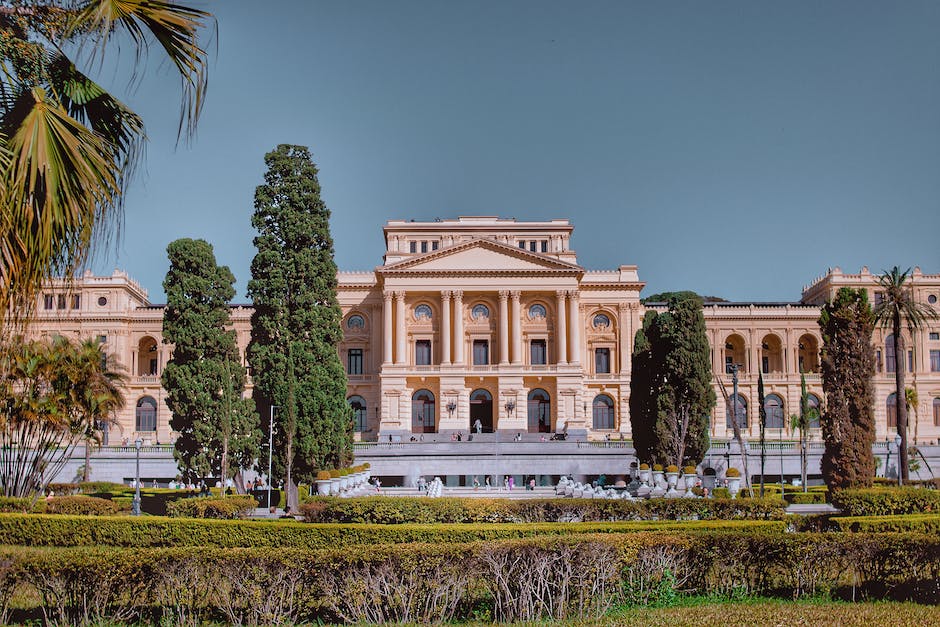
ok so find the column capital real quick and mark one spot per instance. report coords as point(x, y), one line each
point(572, 293)
point(446, 294)
point(387, 295)
point(503, 294)
point(458, 295)
point(515, 294)
point(400, 294)
point(561, 294)
point(624, 307)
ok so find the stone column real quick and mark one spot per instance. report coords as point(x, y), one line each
point(503, 327)
point(445, 327)
point(575, 327)
point(387, 328)
point(561, 328)
point(400, 327)
point(458, 328)
point(623, 329)
point(516, 329)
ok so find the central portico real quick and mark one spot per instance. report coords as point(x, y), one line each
point(493, 321)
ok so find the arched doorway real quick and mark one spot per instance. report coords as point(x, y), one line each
point(145, 416)
point(360, 413)
point(422, 412)
point(540, 412)
point(481, 408)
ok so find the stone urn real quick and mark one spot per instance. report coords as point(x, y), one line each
point(690, 481)
point(734, 486)
point(323, 487)
point(672, 478)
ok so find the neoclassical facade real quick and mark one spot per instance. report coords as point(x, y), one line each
point(481, 322)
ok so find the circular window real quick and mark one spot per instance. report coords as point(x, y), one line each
point(932, 299)
point(601, 321)
point(102, 301)
point(423, 312)
point(480, 312)
point(355, 322)
point(537, 311)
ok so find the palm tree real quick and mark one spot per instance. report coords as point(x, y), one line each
point(67, 146)
point(95, 391)
point(898, 310)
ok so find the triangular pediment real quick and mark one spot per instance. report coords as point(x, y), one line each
point(480, 256)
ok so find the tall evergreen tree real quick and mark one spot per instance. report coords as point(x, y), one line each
point(296, 328)
point(848, 365)
point(686, 398)
point(642, 377)
point(205, 379)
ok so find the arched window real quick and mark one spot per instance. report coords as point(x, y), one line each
point(360, 415)
point(537, 312)
point(735, 353)
point(147, 360)
point(480, 312)
point(146, 414)
point(601, 321)
point(813, 401)
point(773, 410)
point(355, 322)
point(603, 412)
point(540, 411)
point(740, 411)
point(423, 312)
point(891, 408)
point(422, 412)
point(936, 412)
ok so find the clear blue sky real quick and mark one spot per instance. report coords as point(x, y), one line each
point(732, 148)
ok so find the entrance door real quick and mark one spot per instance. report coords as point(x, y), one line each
point(481, 408)
point(540, 412)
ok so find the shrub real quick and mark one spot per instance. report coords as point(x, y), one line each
point(721, 493)
point(657, 467)
point(211, 507)
point(15, 504)
point(924, 523)
point(732, 472)
point(644, 466)
point(689, 470)
point(92, 487)
point(79, 506)
point(805, 498)
point(886, 501)
point(65, 489)
point(323, 475)
point(672, 468)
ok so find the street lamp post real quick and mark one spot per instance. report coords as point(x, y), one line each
point(270, 451)
point(897, 443)
point(135, 508)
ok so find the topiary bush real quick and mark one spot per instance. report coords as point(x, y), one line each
point(79, 506)
point(211, 507)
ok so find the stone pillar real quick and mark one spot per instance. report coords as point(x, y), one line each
point(516, 329)
point(561, 328)
point(387, 328)
point(574, 326)
point(503, 327)
point(445, 327)
point(399, 327)
point(623, 330)
point(458, 328)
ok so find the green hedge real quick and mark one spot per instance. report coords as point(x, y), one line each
point(476, 510)
point(34, 530)
point(805, 498)
point(15, 504)
point(887, 501)
point(575, 578)
point(920, 523)
point(213, 507)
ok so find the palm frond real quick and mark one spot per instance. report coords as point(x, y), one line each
point(175, 28)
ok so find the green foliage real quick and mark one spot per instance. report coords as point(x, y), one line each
point(212, 507)
point(805, 498)
point(848, 365)
point(15, 504)
point(911, 523)
point(79, 506)
point(672, 394)
point(295, 327)
point(886, 501)
point(204, 380)
point(665, 297)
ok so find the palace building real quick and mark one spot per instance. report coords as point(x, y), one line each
point(492, 323)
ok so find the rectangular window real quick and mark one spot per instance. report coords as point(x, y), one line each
point(910, 361)
point(102, 339)
point(890, 363)
point(434, 245)
point(76, 301)
point(934, 361)
point(765, 364)
point(522, 244)
point(544, 245)
point(60, 302)
point(878, 361)
point(422, 352)
point(424, 247)
point(729, 364)
point(532, 245)
point(537, 352)
point(48, 301)
point(354, 361)
point(602, 360)
point(413, 246)
point(934, 335)
point(153, 368)
point(879, 297)
point(481, 352)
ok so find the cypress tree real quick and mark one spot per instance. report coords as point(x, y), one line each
point(848, 365)
point(204, 380)
point(295, 328)
point(641, 389)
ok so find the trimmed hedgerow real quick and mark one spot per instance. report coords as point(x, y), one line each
point(475, 510)
point(15, 504)
point(577, 577)
point(804, 498)
point(79, 506)
point(32, 530)
point(919, 523)
point(886, 501)
point(212, 507)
